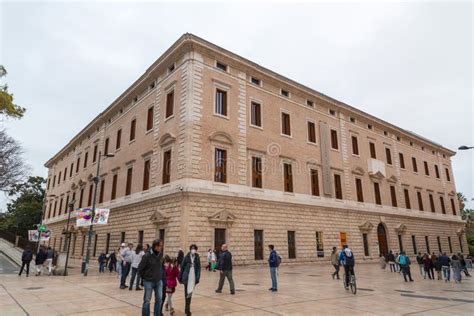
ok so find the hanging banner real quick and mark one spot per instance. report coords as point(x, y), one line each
point(83, 217)
point(33, 235)
point(101, 216)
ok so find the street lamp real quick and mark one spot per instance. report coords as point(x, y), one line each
point(96, 183)
point(465, 147)
point(67, 233)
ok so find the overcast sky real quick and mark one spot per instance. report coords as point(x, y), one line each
point(409, 64)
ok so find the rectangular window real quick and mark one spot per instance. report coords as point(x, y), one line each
point(78, 163)
point(413, 162)
point(221, 102)
point(291, 245)
point(255, 81)
point(86, 157)
point(373, 154)
point(450, 245)
point(257, 172)
point(393, 195)
point(54, 181)
point(64, 174)
point(81, 197)
point(94, 253)
point(258, 244)
point(122, 237)
point(67, 204)
point(89, 199)
point(107, 243)
point(256, 114)
point(448, 178)
point(420, 201)
point(133, 126)
point(342, 238)
point(378, 198)
point(119, 139)
point(355, 145)
point(94, 156)
point(83, 244)
point(334, 143)
point(59, 178)
point(427, 242)
point(439, 244)
point(170, 70)
point(365, 241)
point(319, 244)
point(55, 206)
point(436, 171)
point(169, 104)
point(453, 206)
point(287, 177)
point(443, 207)
point(402, 160)
point(113, 194)
point(285, 93)
point(140, 237)
point(311, 132)
point(359, 190)
point(71, 169)
point(128, 186)
point(432, 205)
point(220, 174)
point(101, 194)
point(413, 241)
point(74, 239)
point(285, 124)
point(166, 167)
point(106, 146)
point(338, 186)
point(400, 243)
point(310, 103)
point(60, 206)
point(49, 182)
point(149, 119)
point(314, 182)
point(221, 66)
point(427, 170)
point(146, 175)
point(388, 155)
point(407, 198)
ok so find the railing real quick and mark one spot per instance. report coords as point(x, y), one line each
point(22, 242)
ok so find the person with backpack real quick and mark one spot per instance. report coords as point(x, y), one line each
point(405, 266)
point(335, 263)
point(26, 258)
point(346, 258)
point(274, 261)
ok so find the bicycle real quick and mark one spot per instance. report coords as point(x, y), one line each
point(352, 282)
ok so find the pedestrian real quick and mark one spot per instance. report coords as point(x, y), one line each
point(149, 270)
point(126, 264)
point(120, 259)
point(49, 259)
point(180, 256)
point(26, 258)
point(437, 265)
point(209, 260)
point(397, 263)
point(456, 265)
point(405, 266)
point(172, 274)
point(428, 266)
point(112, 262)
point(224, 265)
point(189, 275)
point(102, 262)
point(137, 256)
point(335, 262)
point(213, 261)
point(382, 261)
point(163, 282)
point(274, 261)
point(147, 248)
point(39, 261)
point(463, 265)
point(419, 260)
point(391, 261)
point(445, 261)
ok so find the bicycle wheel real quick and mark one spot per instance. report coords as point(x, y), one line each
point(344, 281)
point(353, 285)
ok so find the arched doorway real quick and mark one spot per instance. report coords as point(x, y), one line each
point(382, 236)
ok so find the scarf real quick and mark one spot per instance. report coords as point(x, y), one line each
point(191, 277)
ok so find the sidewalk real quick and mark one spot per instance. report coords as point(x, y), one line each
point(303, 290)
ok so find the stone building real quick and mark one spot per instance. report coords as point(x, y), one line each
point(210, 147)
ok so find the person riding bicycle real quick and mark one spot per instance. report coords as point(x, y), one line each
point(346, 258)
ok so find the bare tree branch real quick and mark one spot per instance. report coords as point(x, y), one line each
point(12, 167)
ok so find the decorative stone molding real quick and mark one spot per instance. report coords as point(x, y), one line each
point(81, 183)
point(90, 177)
point(358, 171)
point(222, 217)
point(158, 219)
point(460, 231)
point(401, 228)
point(221, 137)
point(366, 227)
point(166, 139)
point(376, 176)
point(392, 179)
point(73, 186)
point(451, 193)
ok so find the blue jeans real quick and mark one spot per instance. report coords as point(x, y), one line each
point(125, 271)
point(102, 267)
point(447, 272)
point(273, 274)
point(151, 286)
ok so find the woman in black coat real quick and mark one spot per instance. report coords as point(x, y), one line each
point(189, 275)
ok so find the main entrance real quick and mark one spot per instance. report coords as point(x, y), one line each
point(382, 236)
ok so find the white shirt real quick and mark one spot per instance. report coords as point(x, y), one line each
point(136, 258)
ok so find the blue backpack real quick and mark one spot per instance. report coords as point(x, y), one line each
point(403, 260)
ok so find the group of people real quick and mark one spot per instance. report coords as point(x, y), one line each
point(45, 258)
point(428, 264)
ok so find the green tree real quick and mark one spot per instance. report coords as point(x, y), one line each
point(467, 215)
point(25, 209)
point(7, 107)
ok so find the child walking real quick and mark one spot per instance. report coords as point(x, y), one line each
point(172, 273)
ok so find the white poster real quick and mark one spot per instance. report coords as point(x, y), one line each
point(33, 235)
point(101, 216)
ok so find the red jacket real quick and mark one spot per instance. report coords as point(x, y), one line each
point(172, 276)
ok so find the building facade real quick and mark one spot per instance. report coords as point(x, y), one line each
point(210, 148)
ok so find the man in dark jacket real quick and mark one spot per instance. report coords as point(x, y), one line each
point(444, 261)
point(26, 258)
point(225, 266)
point(273, 263)
point(150, 270)
point(39, 261)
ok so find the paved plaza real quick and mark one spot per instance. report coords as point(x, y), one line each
point(303, 290)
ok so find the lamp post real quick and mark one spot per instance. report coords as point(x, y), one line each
point(68, 234)
point(43, 211)
point(465, 147)
point(96, 183)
